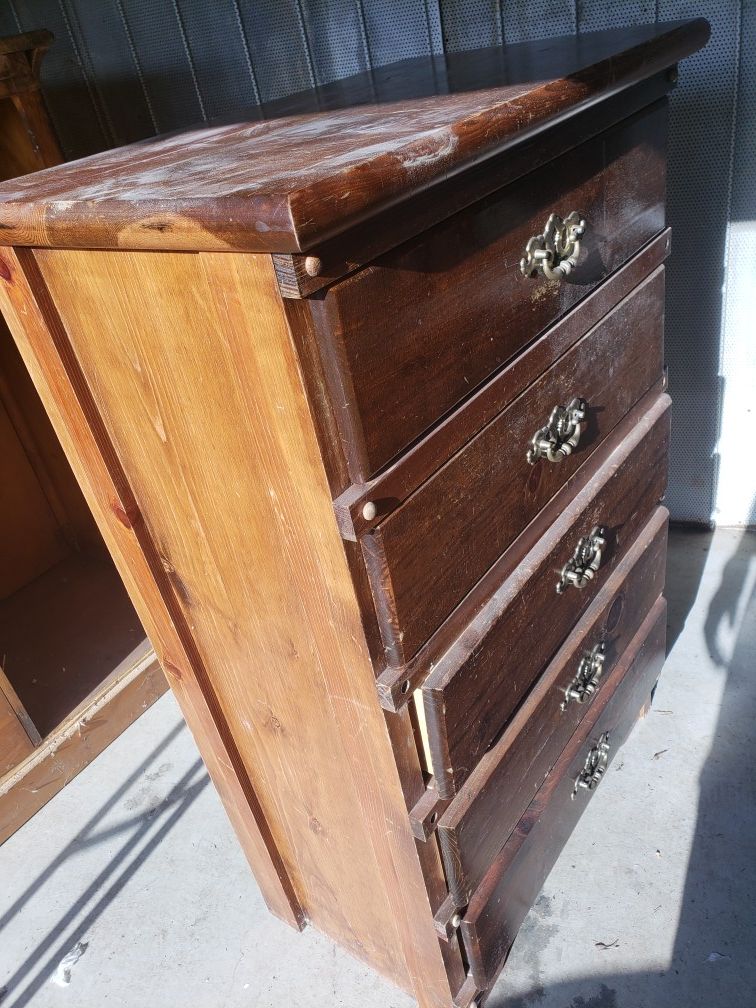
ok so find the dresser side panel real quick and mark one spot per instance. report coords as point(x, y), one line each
point(43, 344)
point(198, 385)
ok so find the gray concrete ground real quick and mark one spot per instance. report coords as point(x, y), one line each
point(134, 870)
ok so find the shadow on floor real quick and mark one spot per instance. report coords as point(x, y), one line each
point(685, 569)
point(713, 965)
point(142, 834)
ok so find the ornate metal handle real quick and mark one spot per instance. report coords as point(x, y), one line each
point(584, 562)
point(561, 435)
point(555, 252)
point(596, 763)
point(588, 676)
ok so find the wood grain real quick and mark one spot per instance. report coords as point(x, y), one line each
point(355, 248)
point(501, 902)
point(62, 635)
point(393, 485)
point(17, 735)
point(496, 794)
point(426, 555)
point(88, 729)
point(43, 343)
point(219, 392)
point(476, 686)
point(397, 685)
point(406, 339)
point(362, 145)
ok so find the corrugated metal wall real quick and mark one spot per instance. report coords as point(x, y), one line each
point(124, 69)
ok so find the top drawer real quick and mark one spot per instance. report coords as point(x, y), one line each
point(406, 339)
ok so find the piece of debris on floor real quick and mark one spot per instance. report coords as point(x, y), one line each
point(62, 975)
point(716, 956)
point(607, 945)
point(660, 753)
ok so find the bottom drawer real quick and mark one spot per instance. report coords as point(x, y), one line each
point(512, 883)
point(491, 801)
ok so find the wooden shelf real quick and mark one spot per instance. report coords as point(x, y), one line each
point(63, 634)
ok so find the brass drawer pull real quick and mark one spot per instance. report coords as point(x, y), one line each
point(584, 562)
point(588, 676)
point(555, 252)
point(561, 435)
point(596, 763)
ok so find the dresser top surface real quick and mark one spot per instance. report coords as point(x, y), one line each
point(304, 168)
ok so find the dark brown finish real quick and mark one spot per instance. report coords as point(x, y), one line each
point(350, 164)
point(515, 878)
point(311, 497)
point(395, 484)
point(63, 634)
point(27, 141)
point(474, 689)
point(428, 554)
point(355, 248)
point(493, 798)
point(412, 335)
point(427, 811)
point(396, 685)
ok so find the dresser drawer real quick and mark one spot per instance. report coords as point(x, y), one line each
point(427, 554)
point(512, 883)
point(490, 803)
point(407, 338)
point(480, 681)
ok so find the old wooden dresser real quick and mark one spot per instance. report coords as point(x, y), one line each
point(367, 397)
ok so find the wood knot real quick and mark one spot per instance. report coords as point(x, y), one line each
point(315, 825)
point(5, 270)
point(122, 515)
point(171, 671)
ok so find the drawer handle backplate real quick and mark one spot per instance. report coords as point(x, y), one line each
point(596, 763)
point(555, 252)
point(588, 676)
point(561, 435)
point(580, 569)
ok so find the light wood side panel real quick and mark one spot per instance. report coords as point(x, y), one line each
point(18, 736)
point(29, 784)
point(42, 341)
point(197, 382)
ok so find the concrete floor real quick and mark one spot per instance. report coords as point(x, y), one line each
point(134, 869)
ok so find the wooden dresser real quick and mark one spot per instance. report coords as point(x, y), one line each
point(366, 393)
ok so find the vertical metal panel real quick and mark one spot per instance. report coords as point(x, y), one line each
point(123, 69)
point(469, 24)
point(279, 46)
point(700, 171)
point(596, 15)
point(523, 21)
point(337, 39)
point(399, 31)
point(223, 69)
point(103, 47)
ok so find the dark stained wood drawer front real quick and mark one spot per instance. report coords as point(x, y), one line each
point(409, 337)
point(504, 897)
point(495, 796)
point(477, 685)
point(426, 555)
